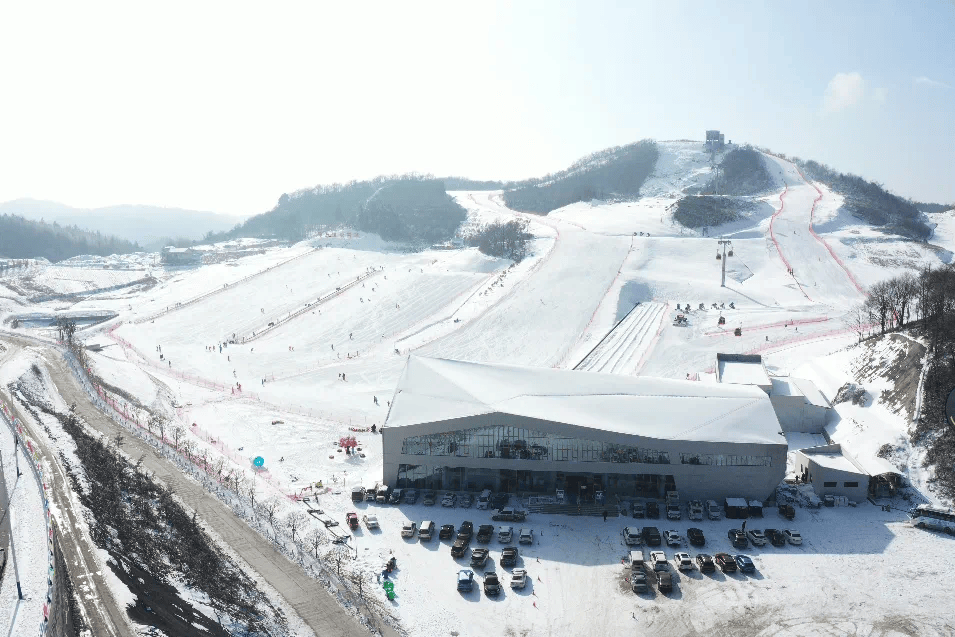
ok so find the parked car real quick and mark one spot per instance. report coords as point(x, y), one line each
point(674, 512)
point(639, 510)
point(411, 496)
point(383, 494)
point(695, 537)
point(775, 536)
point(509, 514)
point(651, 535)
point(509, 556)
point(459, 548)
point(352, 520)
point(466, 531)
point(409, 529)
point(505, 534)
point(526, 536)
point(653, 510)
point(726, 562)
point(635, 560)
point(658, 559)
point(358, 494)
point(429, 498)
point(631, 536)
point(465, 580)
point(485, 533)
point(466, 500)
point(426, 531)
point(371, 492)
point(446, 532)
point(712, 510)
point(744, 564)
point(449, 500)
point(396, 496)
point(683, 561)
point(500, 500)
point(738, 538)
point(787, 511)
point(705, 563)
point(492, 585)
point(484, 499)
point(793, 536)
point(664, 582)
point(518, 578)
point(694, 510)
point(756, 537)
point(673, 538)
point(638, 582)
point(371, 521)
point(479, 557)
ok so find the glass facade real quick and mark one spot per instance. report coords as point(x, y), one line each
point(516, 443)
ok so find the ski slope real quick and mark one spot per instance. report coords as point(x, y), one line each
point(623, 349)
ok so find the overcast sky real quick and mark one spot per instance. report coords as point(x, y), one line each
point(225, 106)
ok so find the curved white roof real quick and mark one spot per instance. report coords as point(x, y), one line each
point(433, 389)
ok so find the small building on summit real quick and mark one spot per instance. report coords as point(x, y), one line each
point(171, 255)
point(459, 425)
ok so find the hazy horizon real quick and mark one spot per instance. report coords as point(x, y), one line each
point(222, 107)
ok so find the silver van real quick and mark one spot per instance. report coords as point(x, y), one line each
point(484, 500)
point(426, 530)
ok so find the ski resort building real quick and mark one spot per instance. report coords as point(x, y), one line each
point(832, 471)
point(469, 426)
point(180, 256)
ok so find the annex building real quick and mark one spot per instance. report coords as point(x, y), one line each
point(469, 426)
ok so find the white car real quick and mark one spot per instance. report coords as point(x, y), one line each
point(371, 521)
point(793, 536)
point(683, 561)
point(449, 500)
point(410, 529)
point(632, 536)
point(505, 534)
point(659, 561)
point(526, 536)
point(518, 578)
point(756, 537)
point(672, 538)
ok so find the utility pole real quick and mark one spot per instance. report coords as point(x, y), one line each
point(724, 243)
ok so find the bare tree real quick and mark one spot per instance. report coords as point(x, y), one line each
point(857, 320)
point(219, 466)
point(294, 521)
point(268, 508)
point(315, 538)
point(178, 433)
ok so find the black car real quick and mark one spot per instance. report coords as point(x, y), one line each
point(653, 510)
point(705, 563)
point(775, 536)
point(492, 586)
point(738, 538)
point(695, 537)
point(664, 581)
point(509, 556)
point(459, 548)
point(446, 532)
point(466, 531)
point(500, 500)
point(787, 511)
point(411, 496)
point(651, 535)
point(395, 497)
point(485, 532)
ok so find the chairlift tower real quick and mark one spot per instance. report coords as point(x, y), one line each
point(724, 243)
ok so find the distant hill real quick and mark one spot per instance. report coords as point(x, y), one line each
point(408, 209)
point(22, 238)
point(612, 173)
point(150, 226)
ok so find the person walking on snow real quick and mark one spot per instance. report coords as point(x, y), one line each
point(605, 515)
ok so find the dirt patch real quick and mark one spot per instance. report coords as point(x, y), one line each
point(896, 357)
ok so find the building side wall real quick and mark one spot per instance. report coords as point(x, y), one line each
point(693, 481)
point(819, 475)
point(795, 413)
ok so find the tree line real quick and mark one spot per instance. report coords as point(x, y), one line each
point(612, 173)
point(742, 171)
point(22, 238)
point(925, 304)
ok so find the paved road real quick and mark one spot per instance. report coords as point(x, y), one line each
point(319, 610)
point(100, 610)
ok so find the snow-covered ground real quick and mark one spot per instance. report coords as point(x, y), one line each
point(589, 264)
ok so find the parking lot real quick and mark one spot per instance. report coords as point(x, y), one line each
point(862, 567)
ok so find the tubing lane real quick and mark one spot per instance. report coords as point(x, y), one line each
point(772, 235)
